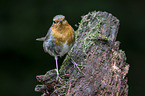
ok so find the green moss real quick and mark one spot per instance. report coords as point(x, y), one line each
point(91, 38)
point(101, 36)
point(121, 51)
point(123, 54)
point(64, 64)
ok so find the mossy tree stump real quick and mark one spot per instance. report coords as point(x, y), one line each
point(103, 66)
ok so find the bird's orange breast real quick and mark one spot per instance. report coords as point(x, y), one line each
point(63, 33)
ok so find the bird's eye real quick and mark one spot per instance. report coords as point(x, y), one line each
point(54, 22)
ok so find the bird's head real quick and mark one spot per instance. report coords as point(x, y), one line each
point(59, 21)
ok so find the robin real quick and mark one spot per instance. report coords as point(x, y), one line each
point(59, 39)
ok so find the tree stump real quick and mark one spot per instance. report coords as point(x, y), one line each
point(102, 64)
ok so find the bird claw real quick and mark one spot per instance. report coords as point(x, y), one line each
point(75, 64)
point(58, 78)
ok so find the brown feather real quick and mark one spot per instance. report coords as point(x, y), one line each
point(62, 33)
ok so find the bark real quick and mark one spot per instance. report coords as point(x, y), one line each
point(102, 64)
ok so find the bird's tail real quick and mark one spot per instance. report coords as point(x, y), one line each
point(41, 39)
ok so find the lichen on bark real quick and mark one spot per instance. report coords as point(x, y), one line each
point(103, 66)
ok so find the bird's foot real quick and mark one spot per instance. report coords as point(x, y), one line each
point(75, 64)
point(58, 78)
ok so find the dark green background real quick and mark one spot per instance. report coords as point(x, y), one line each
point(22, 21)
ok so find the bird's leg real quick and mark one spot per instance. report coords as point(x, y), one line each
point(57, 69)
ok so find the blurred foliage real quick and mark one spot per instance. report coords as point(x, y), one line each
point(22, 21)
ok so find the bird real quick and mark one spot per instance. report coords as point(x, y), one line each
point(59, 39)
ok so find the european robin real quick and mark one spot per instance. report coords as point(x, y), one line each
point(59, 39)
